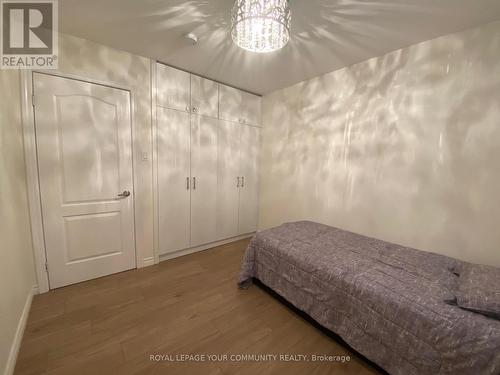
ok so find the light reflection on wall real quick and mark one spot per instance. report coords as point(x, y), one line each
point(404, 147)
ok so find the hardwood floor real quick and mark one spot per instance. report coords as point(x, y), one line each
point(188, 305)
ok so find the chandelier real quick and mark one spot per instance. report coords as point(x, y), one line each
point(260, 25)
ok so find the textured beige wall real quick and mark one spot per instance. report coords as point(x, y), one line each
point(95, 61)
point(404, 147)
point(17, 273)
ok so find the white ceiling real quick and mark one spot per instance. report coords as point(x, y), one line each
point(326, 35)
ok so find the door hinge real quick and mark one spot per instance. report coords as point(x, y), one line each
point(33, 100)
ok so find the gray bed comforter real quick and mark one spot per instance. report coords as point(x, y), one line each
point(387, 301)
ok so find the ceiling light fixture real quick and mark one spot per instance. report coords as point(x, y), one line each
point(260, 25)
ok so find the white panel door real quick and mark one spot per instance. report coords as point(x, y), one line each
point(250, 108)
point(230, 104)
point(173, 142)
point(229, 179)
point(249, 188)
point(173, 88)
point(204, 96)
point(204, 179)
point(85, 161)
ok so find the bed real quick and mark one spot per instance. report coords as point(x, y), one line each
point(394, 305)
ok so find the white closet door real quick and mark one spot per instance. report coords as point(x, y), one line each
point(173, 179)
point(251, 109)
point(230, 104)
point(204, 97)
point(229, 179)
point(85, 162)
point(204, 179)
point(173, 88)
point(248, 207)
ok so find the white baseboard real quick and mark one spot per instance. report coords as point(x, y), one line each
point(18, 338)
point(192, 250)
point(148, 262)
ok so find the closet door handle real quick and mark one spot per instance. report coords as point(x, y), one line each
point(187, 183)
point(238, 181)
point(242, 181)
point(194, 183)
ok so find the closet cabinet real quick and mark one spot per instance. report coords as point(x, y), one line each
point(237, 190)
point(206, 161)
point(204, 97)
point(204, 179)
point(187, 184)
point(239, 106)
point(228, 170)
point(250, 109)
point(186, 139)
point(173, 88)
point(173, 160)
point(249, 184)
point(230, 100)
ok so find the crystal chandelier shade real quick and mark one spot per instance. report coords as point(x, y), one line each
point(260, 25)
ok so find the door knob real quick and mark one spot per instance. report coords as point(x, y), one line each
point(125, 194)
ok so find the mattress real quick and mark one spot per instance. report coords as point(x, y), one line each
point(391, 303)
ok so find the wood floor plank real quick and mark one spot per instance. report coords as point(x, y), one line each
point(187, 305)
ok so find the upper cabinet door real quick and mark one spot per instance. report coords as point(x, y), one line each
point(173, 88)
point(230, 104)
point(251, 109)
point(204, 97)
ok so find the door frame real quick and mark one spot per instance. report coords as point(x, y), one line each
point(31, 163)
point(154, 135)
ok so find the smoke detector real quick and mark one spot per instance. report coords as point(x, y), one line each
point(192, 38)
